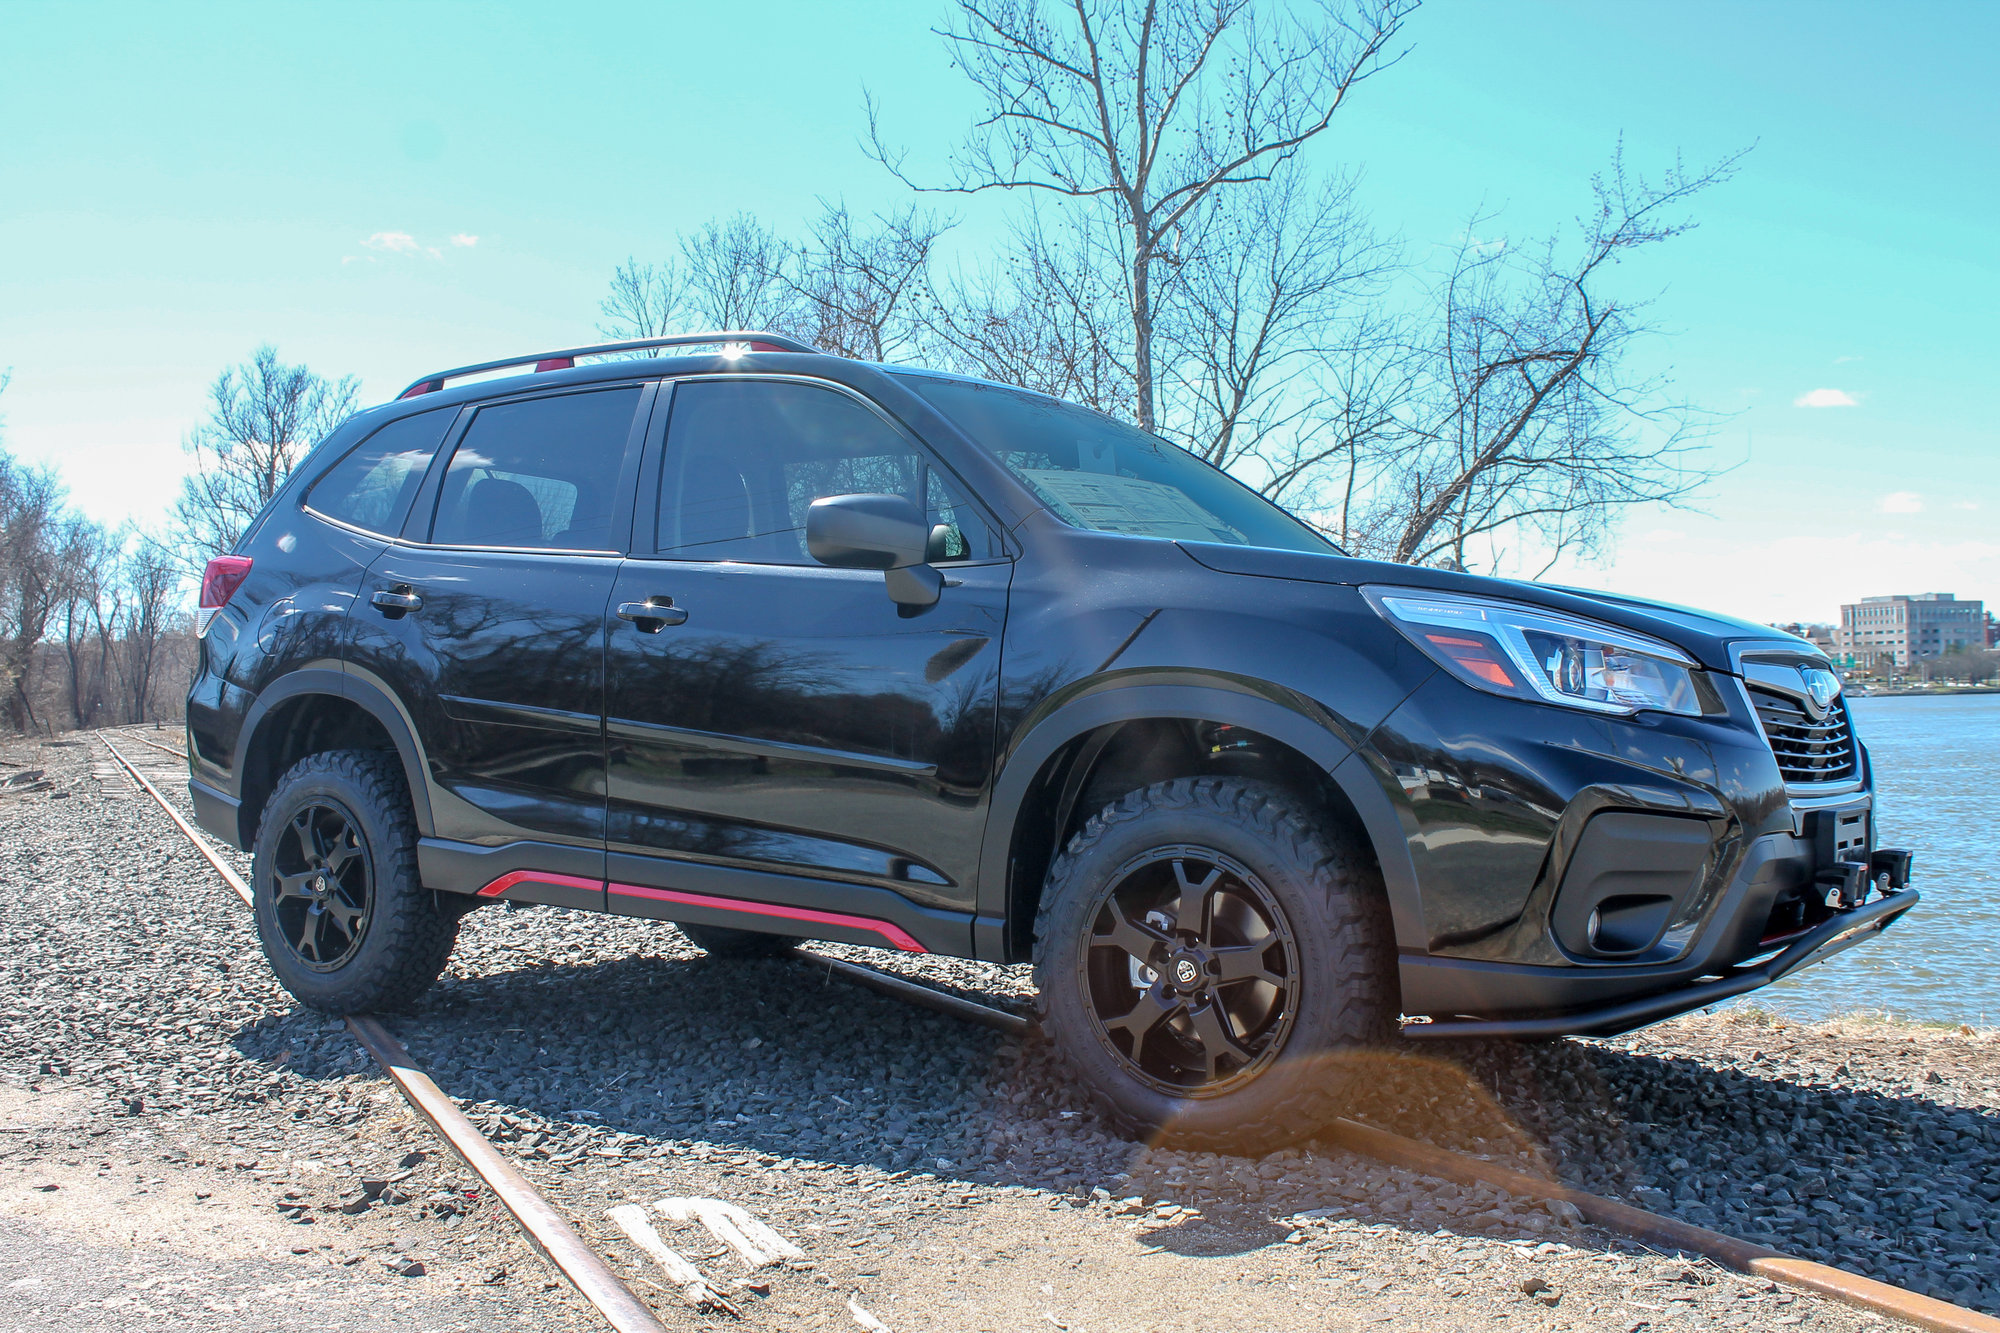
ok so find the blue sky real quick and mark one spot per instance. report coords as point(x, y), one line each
point(180, 183)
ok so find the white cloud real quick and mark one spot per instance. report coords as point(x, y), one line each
point(465, 240)
point(1902, 502)
point(1969, 506)
point(1843, 360)
point(1825, 398)
point(395, 242)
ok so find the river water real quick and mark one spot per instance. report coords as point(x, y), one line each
point(1937, 781)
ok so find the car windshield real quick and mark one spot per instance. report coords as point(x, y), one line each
point(1096, 472)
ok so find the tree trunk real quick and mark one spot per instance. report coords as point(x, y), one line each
point(1142, 327)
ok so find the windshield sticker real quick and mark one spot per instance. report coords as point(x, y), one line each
point(1111, 503)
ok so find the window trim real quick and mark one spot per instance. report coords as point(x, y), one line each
point(646, 514)
point(450, 437)
point(422, 521)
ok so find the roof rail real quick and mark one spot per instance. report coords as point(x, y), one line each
point(566, 357)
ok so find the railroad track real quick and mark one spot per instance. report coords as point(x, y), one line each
point(553, 1236)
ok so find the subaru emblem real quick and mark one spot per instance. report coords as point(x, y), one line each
point(1822, 686)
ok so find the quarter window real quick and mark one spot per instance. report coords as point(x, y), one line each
point(373, 485)
point(745, 460)
point(541, 473)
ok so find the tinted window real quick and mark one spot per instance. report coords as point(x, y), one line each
point(1096, 472)
point(746, 458)
point(543, 472)
point(373, 485)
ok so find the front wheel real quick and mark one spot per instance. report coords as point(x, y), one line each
point(1214, 962)
point(344, 920)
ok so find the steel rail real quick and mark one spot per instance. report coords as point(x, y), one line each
point(546, 1229)
point(201, 844)
point(1670, 1233)
point(163, 749)
point(1666, 1232)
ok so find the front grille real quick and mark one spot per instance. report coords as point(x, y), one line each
point(1807, 751)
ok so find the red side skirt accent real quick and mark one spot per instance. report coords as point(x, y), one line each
point(895, 934)
point(512, 878)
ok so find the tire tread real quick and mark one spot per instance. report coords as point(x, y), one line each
point(409, 939)
point(1353, 898)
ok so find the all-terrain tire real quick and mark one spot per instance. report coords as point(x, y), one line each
point(725, 942)
point(1331, 895)
point(403, 939)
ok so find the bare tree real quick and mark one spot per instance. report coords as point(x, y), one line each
point(1042, 315)
point(1517, 415)
point(645, 301)
point(153, 588)
point(1273, 281)
point(726, 275)
point(853, 288)
point(31, 514)
point(90, 615)
point(863, 291)
point(1142, 111)
point(263, 417)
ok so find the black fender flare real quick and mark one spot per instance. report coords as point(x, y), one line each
point(1318, 741)
point(371, 698)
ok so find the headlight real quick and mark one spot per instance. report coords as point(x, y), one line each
point(1506, 648)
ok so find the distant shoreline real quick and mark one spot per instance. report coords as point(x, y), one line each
point(1905, 691)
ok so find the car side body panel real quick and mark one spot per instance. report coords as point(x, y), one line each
point(873, 781)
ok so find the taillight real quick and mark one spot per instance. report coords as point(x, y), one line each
point(219, 582)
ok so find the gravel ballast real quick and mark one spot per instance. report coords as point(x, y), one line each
point(613, 1061)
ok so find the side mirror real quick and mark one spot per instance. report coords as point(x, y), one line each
point(884, 532)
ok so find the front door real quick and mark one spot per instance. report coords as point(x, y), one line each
point(787, 748)
point(490, 632)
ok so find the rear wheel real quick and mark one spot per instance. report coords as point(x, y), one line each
point(1213, 962)
point(343, 918)
point(724, 942)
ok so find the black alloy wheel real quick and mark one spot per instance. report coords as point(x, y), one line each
point(322, 885)
point(1191, 971)
point(1214, 963)
point(342, 912)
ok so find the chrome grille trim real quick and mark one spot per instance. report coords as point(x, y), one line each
point(1809, 753)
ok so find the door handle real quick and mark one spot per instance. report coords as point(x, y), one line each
point(396, 601)
point(653, 614)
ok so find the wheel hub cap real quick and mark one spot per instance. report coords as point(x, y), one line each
point(1191, 970)
point(1187, 973)
point(321, 882)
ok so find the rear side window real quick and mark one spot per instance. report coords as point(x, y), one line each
point(746, 458)
point(539, 473)
point(373, 485)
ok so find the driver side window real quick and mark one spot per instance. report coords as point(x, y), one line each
point(745, 459)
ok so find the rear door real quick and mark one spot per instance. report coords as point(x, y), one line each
point(487, 625)
point(787, 746)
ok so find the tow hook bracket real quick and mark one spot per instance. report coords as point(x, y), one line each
point(1889, 867)
point(1845, 884)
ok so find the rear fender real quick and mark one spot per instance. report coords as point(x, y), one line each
point(371, 698)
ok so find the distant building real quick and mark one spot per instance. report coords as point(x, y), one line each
point(1821, 637)
point(1909, 628)
point(1992, 630)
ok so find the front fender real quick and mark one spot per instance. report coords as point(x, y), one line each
point(1131, 696)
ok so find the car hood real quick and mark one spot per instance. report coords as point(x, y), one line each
point(1702, 635)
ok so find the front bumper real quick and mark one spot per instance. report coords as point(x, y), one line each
point(1839, 932)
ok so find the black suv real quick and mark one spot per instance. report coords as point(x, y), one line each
point(771, 644)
